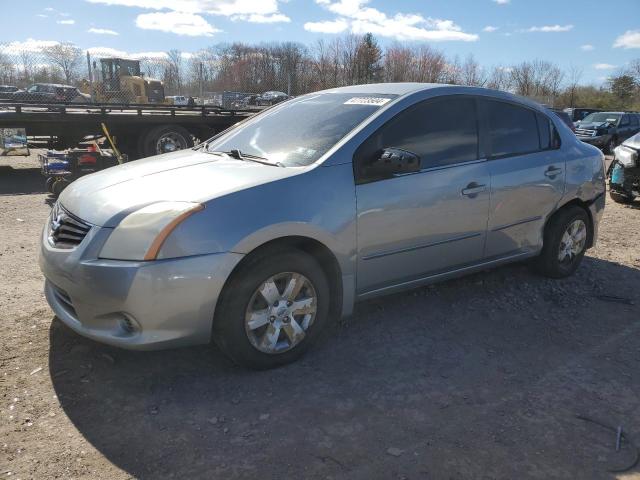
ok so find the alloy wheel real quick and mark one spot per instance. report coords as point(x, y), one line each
point(280, 312)
point(573, 241)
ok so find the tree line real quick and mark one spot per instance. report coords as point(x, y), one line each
point(350, 59)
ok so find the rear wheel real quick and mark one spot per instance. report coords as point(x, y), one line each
point(565, 242)
point(272, 310)
point(165, 139)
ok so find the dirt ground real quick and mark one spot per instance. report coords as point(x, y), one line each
point(477, 378)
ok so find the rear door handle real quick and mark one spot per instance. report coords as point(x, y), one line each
point(473, 189)
point(552, 171)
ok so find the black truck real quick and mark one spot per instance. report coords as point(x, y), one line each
point(140, 130)
point(608, 129)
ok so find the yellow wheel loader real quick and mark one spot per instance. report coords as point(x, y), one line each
point(122, 82)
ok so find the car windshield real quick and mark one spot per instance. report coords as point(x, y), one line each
point(298, 132)
point(602, 117)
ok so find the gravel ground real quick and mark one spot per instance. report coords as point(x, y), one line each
point(480, 377)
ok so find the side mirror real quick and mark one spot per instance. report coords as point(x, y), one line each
point(393, 161)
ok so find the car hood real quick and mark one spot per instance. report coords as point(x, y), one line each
point(102, 197)
point(591, 125)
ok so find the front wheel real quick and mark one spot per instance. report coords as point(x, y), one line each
point(565, 243)
point(620, 198)
point(272, 310)
point(610, 146)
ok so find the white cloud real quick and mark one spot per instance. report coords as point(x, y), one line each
point(362, 19)
point(490, 28)
point(260, 18)
point(29, 45)
point(603, 66)
point(176, 22)
point(49, 9)
point(66, 22)
point(255, 11)
point(331, 26)
point(551, 28)
point(102, 31)
point(629, 39)
point(587, 47)
point(502, 2)
point(42, 15)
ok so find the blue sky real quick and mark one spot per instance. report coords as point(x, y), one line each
point(497, 32)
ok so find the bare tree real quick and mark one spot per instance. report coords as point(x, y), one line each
point(66, 57)
point(471, 73)
point(575, 75)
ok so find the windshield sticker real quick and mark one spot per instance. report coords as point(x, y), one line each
point(375, 101)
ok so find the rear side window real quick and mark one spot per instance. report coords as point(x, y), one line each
point(634, 120)
point(513, 130)
point(544, 127)
point(441, 132)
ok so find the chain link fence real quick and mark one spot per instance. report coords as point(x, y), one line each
point(62, 73)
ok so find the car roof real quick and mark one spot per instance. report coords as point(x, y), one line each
point(57, 85)
point(386, 88)
point(409, 88)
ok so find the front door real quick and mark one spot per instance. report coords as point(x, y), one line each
point(414, 225)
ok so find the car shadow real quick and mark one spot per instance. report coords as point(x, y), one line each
point(21, 181)
point(477, 377)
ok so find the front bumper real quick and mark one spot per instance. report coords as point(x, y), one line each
point(135, 305)
point(598, 141)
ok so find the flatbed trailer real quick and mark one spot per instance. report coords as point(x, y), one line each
point(140, 130)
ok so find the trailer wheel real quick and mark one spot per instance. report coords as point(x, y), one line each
point(49, 184)
point(58, 186)
point(165, 139)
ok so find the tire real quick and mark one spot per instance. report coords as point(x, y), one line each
point(49, 184)
point(231, 329)
point(548, 263)
point(58, 186)
point(620, 198)
point(171, 138)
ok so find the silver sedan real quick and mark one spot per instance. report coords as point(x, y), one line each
point(258, 237)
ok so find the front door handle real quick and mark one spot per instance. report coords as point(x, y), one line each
point(552, 171)
point(473, 189)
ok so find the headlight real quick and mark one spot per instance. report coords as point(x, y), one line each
point(141, 234)
point(627, 157)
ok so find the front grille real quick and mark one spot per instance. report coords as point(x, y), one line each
point(66, 230)
point(583, 132)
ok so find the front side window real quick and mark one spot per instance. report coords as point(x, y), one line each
point(300, 131)
point(513, 130)
point(441, 132)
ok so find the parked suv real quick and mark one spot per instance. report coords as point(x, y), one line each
point(262, 235)
point(608, 129)
point(52, 93)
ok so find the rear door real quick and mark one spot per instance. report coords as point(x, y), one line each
point(414, 225)
point(527, 171)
